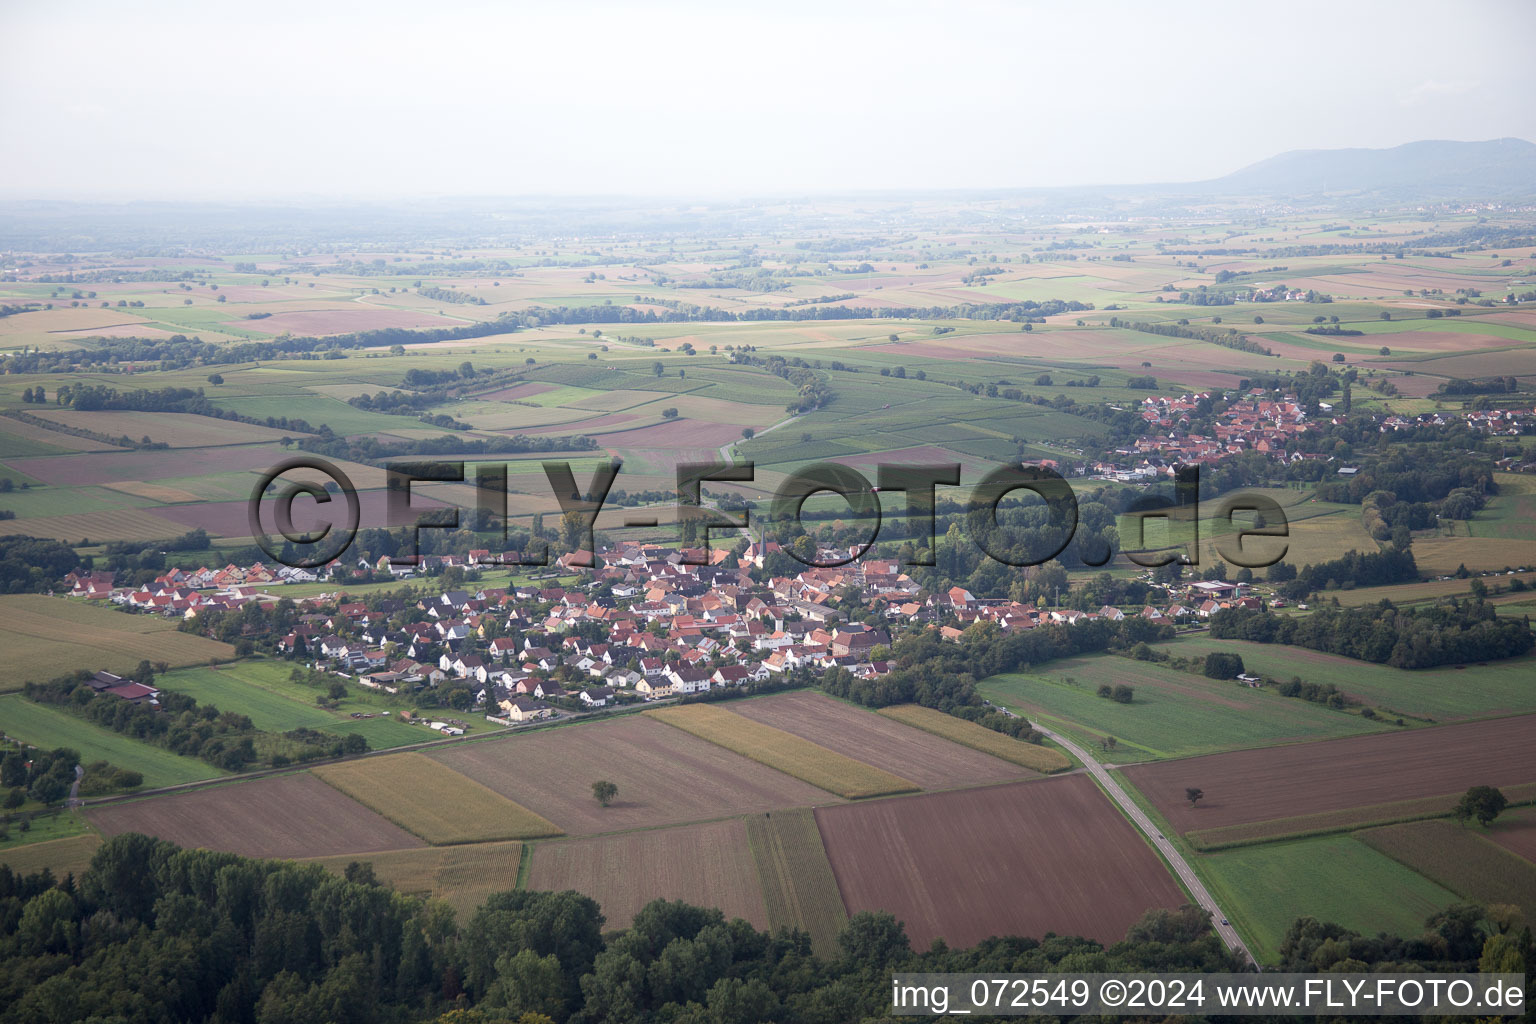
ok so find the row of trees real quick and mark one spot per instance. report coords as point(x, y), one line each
point(1450, 633)
point(942, 675)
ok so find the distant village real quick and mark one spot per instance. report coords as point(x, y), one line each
point(1269, 422)
point(647, 624)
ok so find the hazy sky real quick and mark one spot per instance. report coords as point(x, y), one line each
point(384, 99)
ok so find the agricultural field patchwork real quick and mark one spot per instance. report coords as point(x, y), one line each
point(433, 801)
point(1461, 859)
point(921, 756)
point(707, 864)
point(281, 816)
point(44, 637)
point(820, 766)
point(1446, 694)
point(799, 888)
point(661, 773)
point(972, 863)
point(1352, 774)
point(1171, 713)
point(461, 876)
point(1033, 756)
point(1346, 881)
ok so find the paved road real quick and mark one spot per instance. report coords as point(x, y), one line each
point(1180, 865)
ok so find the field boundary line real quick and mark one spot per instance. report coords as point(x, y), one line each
point(1181, 867)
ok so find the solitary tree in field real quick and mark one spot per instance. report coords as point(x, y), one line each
point(1193, 795)
point(604, 791)
point(747, 432)
point(1481, 802)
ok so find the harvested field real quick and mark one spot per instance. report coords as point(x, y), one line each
point(433, 801)
point(282, 816)
point(707, 865)
point(107, 524)
point(681, 433)
point(1462, 859)
point(923, 756)
point(791, 754)
point(462, 876)
point(1444, 555)
point(974, 863)
point(61, 856)
point(154, 492)
point(66, 470)
point(1344, 820)
point(799, 889)
point(321, 322)
point(177, 429)
point(1516, 832)
point(527, 389)
point(57, 438)
point(43, 636)
point(232, 518)
point(1247, 786)
point(978, 737)
point(664, 775)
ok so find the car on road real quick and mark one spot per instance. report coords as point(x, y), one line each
point(1223, 920)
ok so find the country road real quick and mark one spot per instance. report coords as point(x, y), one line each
point(1175, 859)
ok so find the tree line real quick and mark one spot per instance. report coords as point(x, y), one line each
point(157, 934)
point(1446, 634)
point(181, 725)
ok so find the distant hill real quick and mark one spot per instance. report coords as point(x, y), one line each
point(1493, 169)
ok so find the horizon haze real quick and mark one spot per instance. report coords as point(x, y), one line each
point(156, 103)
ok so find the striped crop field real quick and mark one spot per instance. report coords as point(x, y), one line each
point(433, 801)
point(810, 762)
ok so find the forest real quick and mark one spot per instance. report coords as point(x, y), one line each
point(1451, 633)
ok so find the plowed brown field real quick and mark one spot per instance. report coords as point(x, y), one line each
point(1022, 859)
point(1306, 778)
point(930, 761)
point(285, 816)
point(664, 775)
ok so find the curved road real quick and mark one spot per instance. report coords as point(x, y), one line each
point(1175, 859)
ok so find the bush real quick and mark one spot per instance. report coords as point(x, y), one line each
point(1223, 665)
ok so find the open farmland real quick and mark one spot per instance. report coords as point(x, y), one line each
point(1446, 693)
point(812, 762)
point(1462, 859)
point(282, 816)
point(179, 430)
point(49, 728)
point(925, 758)
point(965, 865)
point(1353, 774)
point(433, 801)
point(706, 865)
point(1172, 713)
point(1515, 830)
point(44, 637)
point(463, 876)
point(1261, 889)
point(799, 889)
point(664, 775)
point(71, 855)
point(263, 691)
point(1030, 755)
